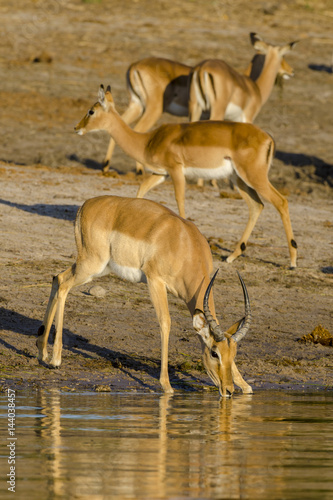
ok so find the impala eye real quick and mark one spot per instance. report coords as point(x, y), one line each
point(91, 112)
point(214, 354)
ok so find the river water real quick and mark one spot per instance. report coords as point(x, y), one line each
point(272, 445)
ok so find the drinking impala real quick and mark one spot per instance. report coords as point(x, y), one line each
point(142, 241)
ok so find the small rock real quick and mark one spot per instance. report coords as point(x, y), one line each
point(97, 291)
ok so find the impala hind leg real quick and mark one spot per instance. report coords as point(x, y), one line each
point(217, 109)
point(132, 113)
point(194, 107)
point(158, 295)
point(269, 193)
point(81, 272)
point(195, 111)
point(255, 207)
point(44, 330)
point(66, 282)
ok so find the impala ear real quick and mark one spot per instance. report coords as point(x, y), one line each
point(108, 95)
point(233, 329)
point(101, 94)
point(201, 327)
point(199, 320)
point(258, 43)
point(104, 98)
point(288, 47)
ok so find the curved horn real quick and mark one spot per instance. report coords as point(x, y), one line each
point(213, 326)
point(246, 322)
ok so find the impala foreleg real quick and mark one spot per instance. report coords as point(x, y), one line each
point(159, 299)
point(239, 381)
point(179, 183)
point(255, 207)
point(236, 376)
point(149, 183)
point(108, 156)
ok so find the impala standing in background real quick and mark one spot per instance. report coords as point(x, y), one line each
point(226, 94)
point(205, 149)
point(158, 85)
point(142, 241)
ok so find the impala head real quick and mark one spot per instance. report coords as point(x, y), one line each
point(96, 118)
point(219, 348)
point(285, 70)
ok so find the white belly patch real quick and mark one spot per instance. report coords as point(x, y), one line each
point(234, 113)
point(222, 172)
point(127, 273)
point(126, 257)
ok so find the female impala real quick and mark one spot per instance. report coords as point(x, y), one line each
point(206, 149)
point(216, 87)
point(142, 241)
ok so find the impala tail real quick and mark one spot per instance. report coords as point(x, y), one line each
point(202, 93)
point(136, 87)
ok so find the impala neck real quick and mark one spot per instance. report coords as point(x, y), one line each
point(131, 142)
point(266, 79)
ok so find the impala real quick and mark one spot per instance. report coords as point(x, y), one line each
point(216, 87)
point(205, 149)
point(142, 241)
point(158, 85)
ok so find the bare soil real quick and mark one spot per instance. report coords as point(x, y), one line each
point(53, 57)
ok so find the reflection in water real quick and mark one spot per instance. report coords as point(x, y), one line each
point(98, 446)
point(48, 429)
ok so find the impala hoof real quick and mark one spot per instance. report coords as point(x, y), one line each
point(230, 259)
point(55, 363)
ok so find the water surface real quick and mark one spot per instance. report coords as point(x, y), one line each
point(272, 445)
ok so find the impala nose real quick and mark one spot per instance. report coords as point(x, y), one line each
point(227, 391)
point(287, 76)
point(230, 390)
point(78, 130)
